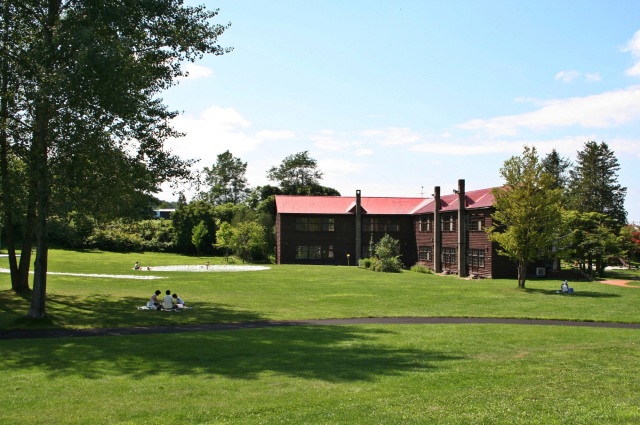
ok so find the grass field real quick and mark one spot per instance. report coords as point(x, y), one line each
point(368, 374)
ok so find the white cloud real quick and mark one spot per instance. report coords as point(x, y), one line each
point(212, 132)
point(393, 136)
point(566, 76)
point(328, 140)
point(633, 46)
point(566, 146)
point(275, 135)
point(609, 109)
point(593, 77)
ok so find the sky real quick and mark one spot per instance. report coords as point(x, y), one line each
point(397, 97)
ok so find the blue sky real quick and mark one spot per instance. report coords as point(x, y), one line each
point(396, 97)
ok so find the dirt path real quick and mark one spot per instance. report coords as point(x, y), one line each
point(619, 283)
point(69, 333)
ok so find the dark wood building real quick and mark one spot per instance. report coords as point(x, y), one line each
point(446, 232)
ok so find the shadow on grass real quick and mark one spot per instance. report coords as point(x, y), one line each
point(68, 311)
point(578, 294)
point(330, 353)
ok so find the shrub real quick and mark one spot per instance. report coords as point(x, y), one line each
point(387, 265)
point(421, 268)
point(365, 263)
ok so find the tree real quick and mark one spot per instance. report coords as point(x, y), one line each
point(224, 236)
point(297, 174)
point(198, 234)
point(528, 211)
point(594, 184)
point(247, 237)
point(589, 239)
point(88, 75)
point(558, 168)
point(630, 242)
point(227, 180)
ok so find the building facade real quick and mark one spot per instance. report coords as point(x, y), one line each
point(445, 232)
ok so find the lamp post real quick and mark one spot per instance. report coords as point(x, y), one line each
point(348, 257)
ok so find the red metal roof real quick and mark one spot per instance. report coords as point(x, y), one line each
point(292, 204)
point(482, 198)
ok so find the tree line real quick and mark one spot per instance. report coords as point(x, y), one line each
point(550, 208)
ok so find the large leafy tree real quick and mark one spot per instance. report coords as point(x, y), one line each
point(528, 211)
point(81, 105)
point(298, 174)
point(588, 239)
point(594, 184)
point(226, 180)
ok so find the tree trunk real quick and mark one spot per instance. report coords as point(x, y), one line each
point(17, 284)
point(522, 273)
point(40, 172)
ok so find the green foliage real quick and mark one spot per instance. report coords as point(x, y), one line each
point(186, 217)
point(248, 239)
point(594, 184)
point(198, 234)
point(528, 212)
point(387, 252)
point(365, 263)
point(421, 268)
point(121, 236)
point(226, 180)
point(589, 239)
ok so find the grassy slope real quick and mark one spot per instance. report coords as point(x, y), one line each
point(449, 374)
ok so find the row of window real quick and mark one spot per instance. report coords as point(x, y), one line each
point(314, 252)
point(424, 224)
point(449, 224)
point(448, 255)
point(326, 224)
point(425, 253)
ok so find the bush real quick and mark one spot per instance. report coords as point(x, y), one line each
point(364, 263)
point(421, 268)
point(387, 265)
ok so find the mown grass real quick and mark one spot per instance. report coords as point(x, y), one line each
point(369, 374)
point(296, 292)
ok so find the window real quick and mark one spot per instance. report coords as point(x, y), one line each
point(425, 253)
point(315, 224)
point(314, 252)
point(380, 225)
point(476, 257)
point(476, 223)
point(449, 255)
point(448, 223)
point(423, 224)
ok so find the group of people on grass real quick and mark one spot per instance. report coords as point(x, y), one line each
point(169, 302)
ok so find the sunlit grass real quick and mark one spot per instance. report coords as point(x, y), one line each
point(369, 374)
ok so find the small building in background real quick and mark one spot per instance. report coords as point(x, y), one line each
point(163, 213)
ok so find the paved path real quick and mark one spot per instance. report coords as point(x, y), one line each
point(67, 333)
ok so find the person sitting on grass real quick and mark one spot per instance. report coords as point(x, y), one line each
point(153, 303)
point(565, 288)
point(178, 301)
point(167, 302)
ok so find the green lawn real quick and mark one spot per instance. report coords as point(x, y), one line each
point(369, 374)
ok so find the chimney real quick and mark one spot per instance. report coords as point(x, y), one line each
point(462, 231)
point(358, 251)
point(437, 232)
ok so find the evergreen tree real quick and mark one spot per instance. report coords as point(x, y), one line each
point(558, 168)
point(594, 184)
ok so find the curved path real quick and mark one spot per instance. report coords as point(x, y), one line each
point(67, 333)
